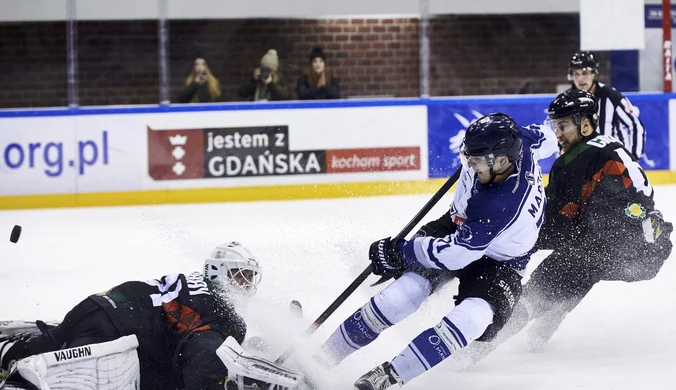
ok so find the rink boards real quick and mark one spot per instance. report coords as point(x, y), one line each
point(104, 156)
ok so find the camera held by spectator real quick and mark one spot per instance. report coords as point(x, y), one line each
point(318, 81)
point(200, 86)
point(267, 82)
point(264, 74)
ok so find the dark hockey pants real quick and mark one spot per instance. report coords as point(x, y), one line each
point(565, 277)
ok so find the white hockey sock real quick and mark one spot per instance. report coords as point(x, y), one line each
point(464, 324)
point(396, 302)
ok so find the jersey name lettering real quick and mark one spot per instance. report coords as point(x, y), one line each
point(601, 141)
point(196, 284)
point(533, 210)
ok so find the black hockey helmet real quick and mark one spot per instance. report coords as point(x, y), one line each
point(576, 104)
point(583, 60)
point(494, 134)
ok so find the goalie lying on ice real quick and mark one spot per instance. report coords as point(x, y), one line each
point(115, 365)
point(178, 329)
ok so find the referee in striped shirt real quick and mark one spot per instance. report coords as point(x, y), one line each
point(617, 117)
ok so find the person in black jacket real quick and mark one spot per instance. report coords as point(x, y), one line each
point(200, 86)
point(600, 221)
point(318, 80)
point(179, 320)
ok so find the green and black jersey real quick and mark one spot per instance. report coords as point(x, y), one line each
point(164, 312)
point(596, 193)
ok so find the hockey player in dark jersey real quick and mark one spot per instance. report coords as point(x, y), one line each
point(600, 222)
point(179, 321)
point(617, 117)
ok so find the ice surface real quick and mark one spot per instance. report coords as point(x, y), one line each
point(622, 336)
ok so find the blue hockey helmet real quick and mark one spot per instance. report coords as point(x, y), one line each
point(493, 134)
point(487, 139)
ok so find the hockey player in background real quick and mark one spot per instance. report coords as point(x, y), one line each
point(485, 241)
point(600, 222)
point(616, 116)
point(180, 322)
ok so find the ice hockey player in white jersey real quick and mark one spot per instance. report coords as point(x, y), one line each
point(485, 241)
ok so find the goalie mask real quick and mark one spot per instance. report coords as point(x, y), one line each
point(232, 266)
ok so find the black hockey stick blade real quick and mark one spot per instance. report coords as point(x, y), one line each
point(421, 214)
point(366, 272)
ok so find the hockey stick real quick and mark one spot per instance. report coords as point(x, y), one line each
point(366, 272)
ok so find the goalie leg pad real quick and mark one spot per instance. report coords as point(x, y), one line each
point(102, 366)
point(246, 369)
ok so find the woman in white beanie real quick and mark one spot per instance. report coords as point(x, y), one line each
point(266, 83)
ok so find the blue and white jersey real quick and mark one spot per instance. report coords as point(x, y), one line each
point(500, 221)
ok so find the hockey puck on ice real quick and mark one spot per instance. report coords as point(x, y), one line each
point(16, 233)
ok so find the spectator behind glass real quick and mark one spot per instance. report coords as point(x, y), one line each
point(317, 82)
point(267, 83)
point(201, 86)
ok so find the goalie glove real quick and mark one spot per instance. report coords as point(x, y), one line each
point(247, 371)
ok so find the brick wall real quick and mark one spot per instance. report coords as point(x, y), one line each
point(371, 57)
point(33, 70)
point(470, 55)
point(490, 54)
point(118, 62)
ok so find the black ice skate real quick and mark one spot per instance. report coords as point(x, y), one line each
point(6, 343)
point(6, 374)
point(379, 378)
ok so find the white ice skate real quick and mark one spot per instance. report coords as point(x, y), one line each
point(380, 378)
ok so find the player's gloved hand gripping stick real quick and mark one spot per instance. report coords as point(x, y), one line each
point(362, 277)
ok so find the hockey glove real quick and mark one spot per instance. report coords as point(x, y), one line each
point(442, 227)
point(655, 227)
point(387, 257)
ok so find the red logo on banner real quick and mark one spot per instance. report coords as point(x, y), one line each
point(373, 160)
point(175, 154)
